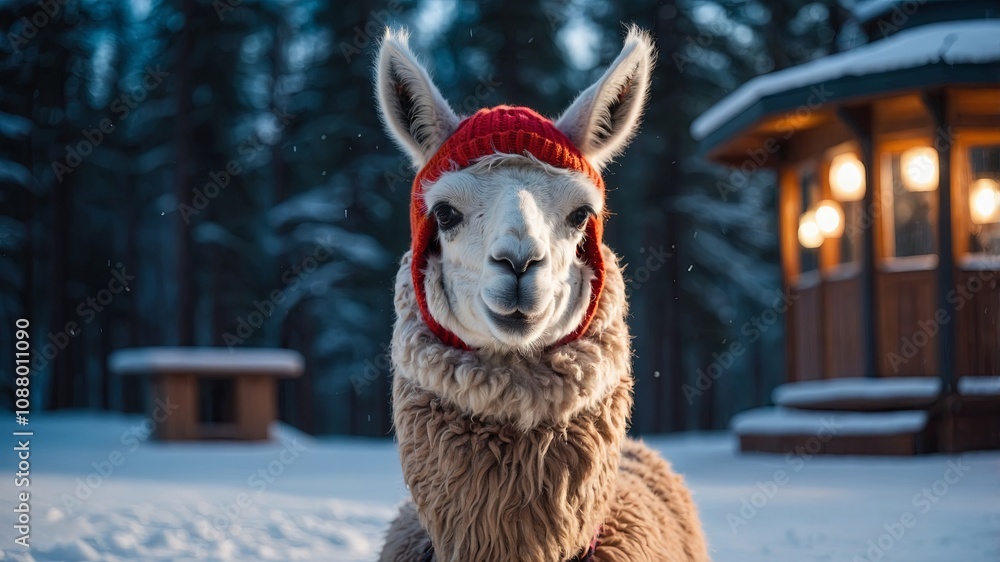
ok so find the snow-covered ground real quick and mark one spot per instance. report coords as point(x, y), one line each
point(101, 492)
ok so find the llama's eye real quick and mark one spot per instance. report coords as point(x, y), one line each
point(578, 218)
point(447, 216)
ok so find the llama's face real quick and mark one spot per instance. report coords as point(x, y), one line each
point(509, 228)
point(507, 276)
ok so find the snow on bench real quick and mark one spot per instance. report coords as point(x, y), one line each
point(783, 421)
point(206, 360)
point(905, 390)
point(979, 386)
point(175, 372)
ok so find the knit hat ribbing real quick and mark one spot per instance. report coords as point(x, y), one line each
point(507, 130)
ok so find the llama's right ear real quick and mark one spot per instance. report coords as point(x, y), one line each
point(412, 109)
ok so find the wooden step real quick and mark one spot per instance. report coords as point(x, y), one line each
point(806, 432)
point(970, 419)
point(860, 394)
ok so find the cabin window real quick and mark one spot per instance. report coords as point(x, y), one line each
point(983, 196)
point(911, 194)
point(810, 238)
point(844, 208)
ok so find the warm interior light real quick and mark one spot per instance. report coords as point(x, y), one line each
point(829, 218)
point(847, 178)
point(919, 167)
point(810, 235)
point(984, 201)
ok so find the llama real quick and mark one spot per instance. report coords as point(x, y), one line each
point(512, 384)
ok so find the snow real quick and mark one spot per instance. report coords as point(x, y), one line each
point(782, 421)
point(284, 362)
point(825, 391)
point(333, 500)
point(979, 386)
point(961, 42)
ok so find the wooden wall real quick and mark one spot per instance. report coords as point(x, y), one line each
point(907, 303)
point(843, 347)
point(978, 337)
point(804, 333)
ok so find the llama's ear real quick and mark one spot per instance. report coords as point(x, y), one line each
point(412, 109)
point(605, 117)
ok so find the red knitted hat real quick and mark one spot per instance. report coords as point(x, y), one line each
point(508, 130)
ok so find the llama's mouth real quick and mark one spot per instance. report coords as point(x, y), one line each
point(516, 322)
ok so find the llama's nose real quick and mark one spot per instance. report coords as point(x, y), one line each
point(518, 264)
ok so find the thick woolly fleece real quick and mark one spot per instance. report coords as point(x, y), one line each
point(521, 458)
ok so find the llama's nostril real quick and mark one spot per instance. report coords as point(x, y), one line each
point(504, 263)
point(515, 264)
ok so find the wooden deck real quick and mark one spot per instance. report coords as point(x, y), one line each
point(912, 421)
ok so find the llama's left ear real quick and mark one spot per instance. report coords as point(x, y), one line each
point(605, 117)
point(413, 111)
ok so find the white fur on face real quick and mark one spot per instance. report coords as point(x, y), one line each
point(515, 210)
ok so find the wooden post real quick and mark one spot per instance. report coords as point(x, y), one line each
point(936, 104)
point(180, 389)
point(859, 121)
point(255, 406)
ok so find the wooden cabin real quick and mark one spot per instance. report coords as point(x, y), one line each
point(887, 159)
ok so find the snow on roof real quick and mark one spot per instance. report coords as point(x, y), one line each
point(831, 390)
point(979, 386)
point(281, 362)
point(955, 42)
point(782, 421)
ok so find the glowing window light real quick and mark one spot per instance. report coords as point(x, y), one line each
point(830, 218)
point(984, 201)
point(919, 167)
point(847, 178)
point(810, 235)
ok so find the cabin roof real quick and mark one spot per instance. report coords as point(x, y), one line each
point(933, 55)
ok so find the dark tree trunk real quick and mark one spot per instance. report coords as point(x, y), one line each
point(61, 391)
point(182, 180)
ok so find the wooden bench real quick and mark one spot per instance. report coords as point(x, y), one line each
point(177, 373)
